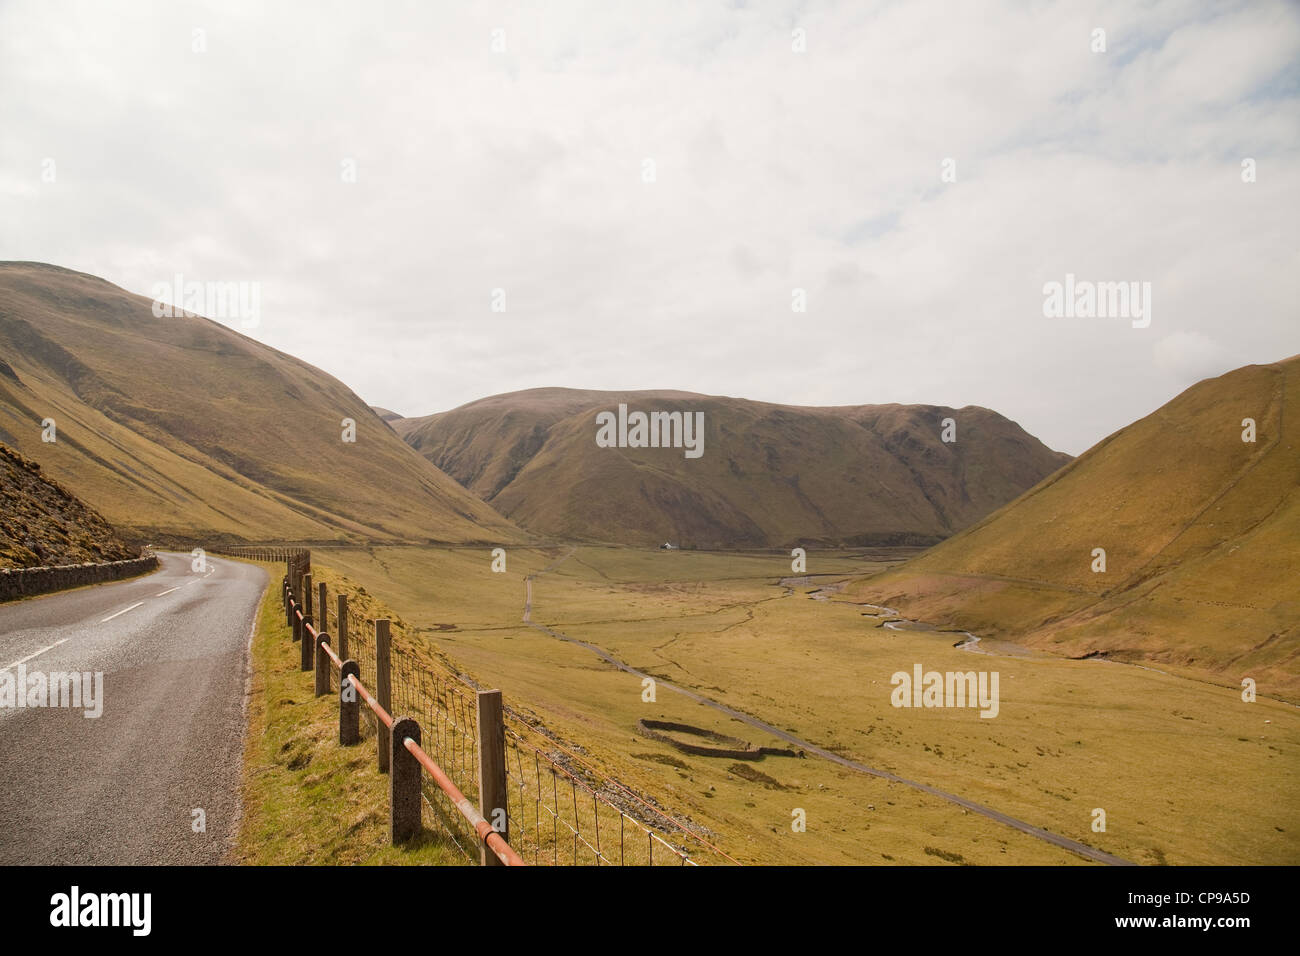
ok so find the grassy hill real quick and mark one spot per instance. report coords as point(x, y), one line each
point(769, 476)
point(42, 523)
point(180, 429)
point(1201, 532)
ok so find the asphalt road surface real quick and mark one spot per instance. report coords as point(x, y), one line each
point(122, 788)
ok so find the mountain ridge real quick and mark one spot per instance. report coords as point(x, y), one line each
point(1199, 530)
point(514, 449)
point(182, 427)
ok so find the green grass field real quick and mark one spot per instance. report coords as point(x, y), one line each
point(1186, 771)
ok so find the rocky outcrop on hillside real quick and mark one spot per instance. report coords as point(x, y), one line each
point(42, 523)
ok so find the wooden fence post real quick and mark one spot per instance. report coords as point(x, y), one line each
point(322, 666)
point(342, 625)
point(306, 594)
point(324, 610)
point(308, 644)
point(297, 627)
point(383, 687)
point(349, 705)
point(288, 608)
point(492, 770)
point(404, 783)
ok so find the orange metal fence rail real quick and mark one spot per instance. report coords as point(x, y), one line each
point(609, 824)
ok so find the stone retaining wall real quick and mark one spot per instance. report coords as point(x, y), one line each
point(24, 582)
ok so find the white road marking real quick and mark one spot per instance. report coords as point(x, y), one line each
point(170, 590)
point(30, 656)
point(121, 612)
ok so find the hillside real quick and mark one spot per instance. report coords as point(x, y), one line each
point(1201, 532)
point(180, 429)
point(767, 476)
point(42, 523)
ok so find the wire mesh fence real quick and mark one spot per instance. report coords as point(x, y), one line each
point(559, 815)
point(447, 720)
point(561, 810)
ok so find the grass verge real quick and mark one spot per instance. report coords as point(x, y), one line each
point(308, 801)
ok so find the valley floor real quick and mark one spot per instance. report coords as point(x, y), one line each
point(1185, 772)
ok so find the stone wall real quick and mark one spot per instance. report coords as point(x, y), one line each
point(24, 582)
point(732, 748)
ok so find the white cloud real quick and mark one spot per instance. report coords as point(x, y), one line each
point(819, 170)
point(1191, 356)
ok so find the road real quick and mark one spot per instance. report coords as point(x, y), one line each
point(121, 788)
point(1074, 846)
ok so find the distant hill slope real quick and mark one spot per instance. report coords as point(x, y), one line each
point(769, 475)
point(182, 429)
point(42, 523)
point(1201, 532)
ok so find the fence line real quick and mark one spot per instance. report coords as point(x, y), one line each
point(445, 744)
point(404, 748)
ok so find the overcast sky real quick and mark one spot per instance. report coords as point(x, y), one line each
point(775, 168)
